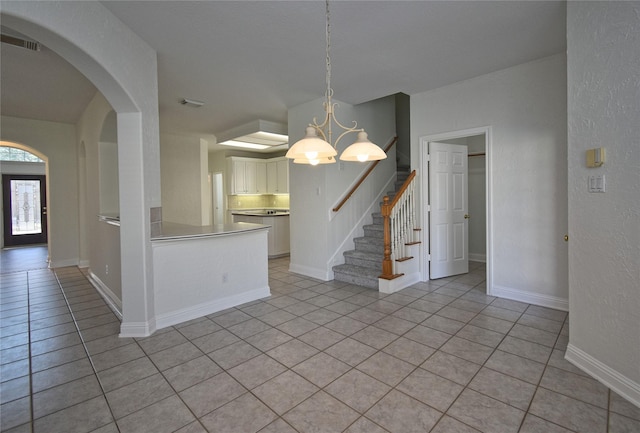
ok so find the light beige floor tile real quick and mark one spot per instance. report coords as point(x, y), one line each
point(176, 355)
point(480, 335)
point(165, 416)
point(61, 374)
point(451, 425)
point(15, 413)
point(468, 350)
point(364, 425)
point(485, 414)
point(248, 328)
point(83, 417)
point(623, 407)
point(321, 413)
point(321, 338)
point(358, 390)
point(526, 349)
point(63, 396)
point(386, 368)
point(285, 391)
point(505, 388)
point(126, 373)
point(232, 417)
point(198, 329)
point(137, 395)
point(256, 371)
point(321, 369)
point(568, 412)
point(398, 412)
point(297, 326)
point(430, 389)
point(577, 386)
point(278, 426)
point(533, 424)
point(292, 352)
point(117, 356)
point(346, 325)
point(191, 372)
point(212, 393)
point(622, 424)
point(14, 389)
point(451, 367)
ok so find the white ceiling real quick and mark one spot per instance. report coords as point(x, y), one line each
point(251, 60)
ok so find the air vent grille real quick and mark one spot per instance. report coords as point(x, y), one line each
point(22, 43)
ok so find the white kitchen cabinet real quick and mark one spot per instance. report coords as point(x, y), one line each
point(261, 177)
point(278, 176)
point(247, 176)
point(258, 176)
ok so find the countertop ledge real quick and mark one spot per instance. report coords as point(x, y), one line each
point(173, 231)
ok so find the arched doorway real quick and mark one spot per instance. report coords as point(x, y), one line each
point(124, 69)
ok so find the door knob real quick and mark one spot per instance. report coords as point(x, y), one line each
point(467, 216)
point(566, 238)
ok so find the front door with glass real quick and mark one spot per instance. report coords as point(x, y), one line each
point(25, 209)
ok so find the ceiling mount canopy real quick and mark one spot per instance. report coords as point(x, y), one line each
point(316, 147)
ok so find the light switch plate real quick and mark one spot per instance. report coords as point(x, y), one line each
point(597, 183)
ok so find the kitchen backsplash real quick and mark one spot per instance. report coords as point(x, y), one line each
point(258, 201)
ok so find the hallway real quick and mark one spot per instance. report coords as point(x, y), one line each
point(314, 357)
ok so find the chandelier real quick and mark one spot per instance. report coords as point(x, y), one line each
point(316, 147)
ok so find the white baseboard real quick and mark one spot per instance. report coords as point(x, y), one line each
point(397, 284)
point(320, 274)
point(83, 264)
point(137, 329)
point(200, 310)
point(474, 257)
point(63, 263)
point(106, 293)
point(529, 297)
point(619, 383)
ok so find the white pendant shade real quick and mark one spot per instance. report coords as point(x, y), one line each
point(311, 148)
point(362, 150)
point(325, 160)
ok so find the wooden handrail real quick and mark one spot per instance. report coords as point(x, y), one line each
point(387, 265)
point(363, 177)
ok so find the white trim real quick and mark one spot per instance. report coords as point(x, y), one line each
point(320, 274)
point(189, 313)
point(137, 329)
point(63, 263)
point(82, 264)
point(106, 293)
point(424, 193)
point(529, 297)
point(611, 378)
point(397, 284)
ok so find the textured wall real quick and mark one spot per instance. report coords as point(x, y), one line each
point(604, 228)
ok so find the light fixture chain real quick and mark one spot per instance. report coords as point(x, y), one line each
point(328, 40)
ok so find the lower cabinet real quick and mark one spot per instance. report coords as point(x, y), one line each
point(278, 238)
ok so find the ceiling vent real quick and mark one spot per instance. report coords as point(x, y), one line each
point(22, 43)
point(256, 135)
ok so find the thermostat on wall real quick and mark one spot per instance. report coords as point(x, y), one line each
point(595, 157)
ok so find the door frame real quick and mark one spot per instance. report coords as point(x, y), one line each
point(424, 194)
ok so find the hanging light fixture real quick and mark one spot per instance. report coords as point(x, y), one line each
point(316, 146)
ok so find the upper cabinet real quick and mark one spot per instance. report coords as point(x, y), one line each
point(258, 176)
point(278, 176)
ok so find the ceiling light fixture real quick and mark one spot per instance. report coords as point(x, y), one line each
point(316, 146)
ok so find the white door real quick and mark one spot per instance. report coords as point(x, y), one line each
point(448, 198)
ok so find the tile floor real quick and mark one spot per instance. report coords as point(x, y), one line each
point(314, 357)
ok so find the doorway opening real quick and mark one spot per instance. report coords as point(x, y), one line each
point(24, 196)
point(474, 203)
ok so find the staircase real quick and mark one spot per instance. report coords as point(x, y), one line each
point(364, 264)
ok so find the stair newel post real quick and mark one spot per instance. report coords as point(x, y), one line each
point(387, 264)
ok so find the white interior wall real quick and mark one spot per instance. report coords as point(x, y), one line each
point(604, 228)
point(103, 240)
point(526, 108)
point(318, 233)
point(124, 68)
point(184, 170)
point(58, 142)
